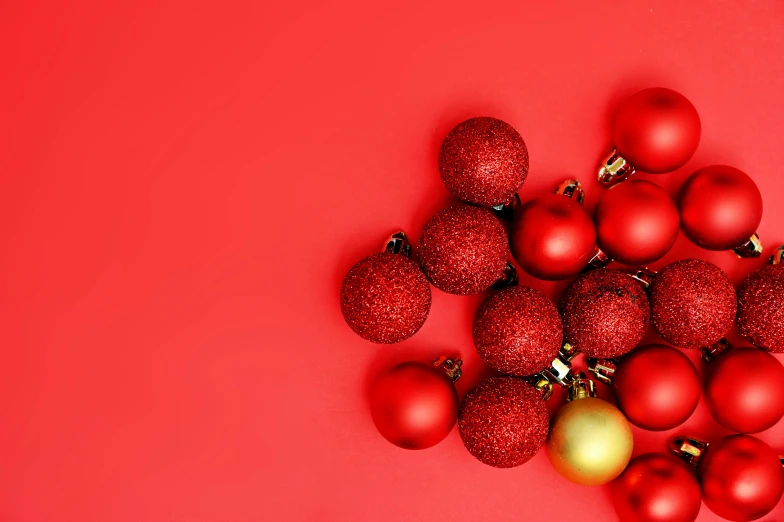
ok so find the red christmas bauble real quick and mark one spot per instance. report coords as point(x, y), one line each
point(657, 130)
point(692, 303)
point(503, 421)
point(483, 161)
point(721, 207)
point(463, 249)
point(605, 313)
point(385, 298)
point(657, 387)
point(761, 308)
point(518, 331)
point(414, 405)
point(744, 390)
point(552, 237)
point(656, 488)
point(740, 477)
point(636, 222)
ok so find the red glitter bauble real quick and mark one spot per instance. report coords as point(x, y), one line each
point(656, 488)
point(761, 308)
point(657, 387)
point(483, 161)
point(605, 313)
point(503, 421)
point(740, 477)
point(463, 249)
point(385, 298)
point(656, 130)
point(721, 207)
point(518, 331)
point(636, 222)
point(414, 405)
point(552, 237)
point(692, 303)
point(744, 390)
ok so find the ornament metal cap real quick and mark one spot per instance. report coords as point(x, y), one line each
point(752, 248)
point(602, 369)
point(688, 449)
point(450, 366)
point(778, 256)
point(599, 260)
point(614, 170)
point(509, 278)
point(506, 211)
point(571, 188)
point(644, 276)
point(709, 353)
point(541, 383)
point(560, 368)
point(581, 387)
point(398, 243)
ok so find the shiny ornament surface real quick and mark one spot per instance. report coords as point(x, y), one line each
point(483, 161)
point(517, 331)
point(552, 237)
point(761, 308)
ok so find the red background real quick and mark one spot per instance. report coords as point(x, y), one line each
point(184, 186)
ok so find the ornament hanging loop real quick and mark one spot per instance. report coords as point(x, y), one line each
point(778, 256)
point(752, 248)
point(614, 170)
point(581, 387)
point(602, 369)
point(398, 243)
point(709, 353)
point(688, 449)
point(450, 366)
point(571, 188)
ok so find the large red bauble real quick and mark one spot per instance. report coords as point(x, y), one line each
point(656, 130)
point(483, 161)
point(721, 207)
point(656, 488)
point(744, 390)
point(518, 331)
point(414, 405)
point(741, 478)
point(636, 222)
point(657, 387)
point(761, 308)
point(552, 237)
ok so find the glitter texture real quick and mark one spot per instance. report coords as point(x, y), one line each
point(605, 313)
point(692, 303)
point(761, 308)
point(385, 298)
point(463, 249)
point(503, 421)
point(517, 331)
point(483, 161)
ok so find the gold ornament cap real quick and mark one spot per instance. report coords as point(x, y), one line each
point(688, 449)
point(778, 256)
point(752, 248)
point(709, 353)
point(614, 170)
point(560, 368)
point(450, 366)
point(571, 188)
point(602, 369)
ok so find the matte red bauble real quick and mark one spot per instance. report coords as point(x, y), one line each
point(744, 390)
point(518, 331)
point(463, 249)
point(761, 308)
point(656, 488)
point(414, 405)
point(552, 237)
point(721, 207)
point(692, 303)
point(636, 222)
point(483, 161)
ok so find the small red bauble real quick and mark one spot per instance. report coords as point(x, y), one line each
point(483, 161)
point(657, 387)
point(692, 303)
point(414, 405)
point(385, 298)
point(553, 237)
point(636, 222)
point(744, 390)
point(721, 207)
point(605, 313)
point(463, 249)
point(761, 308)
point(656, 488)
point(503, 421)
point(518, 331)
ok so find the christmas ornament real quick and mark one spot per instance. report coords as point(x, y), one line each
point(656, 130)
point(744, 387)
point(636, 222)
point(721, 207)
point(761, 307)
point(656, 487)
point(605, 313)
point(385, 298)
point(414, 405)
point(517, 331)
point(740, 476)
point(483, 161)
point(692, 303)
point(655, 386)
point(590, 442)
point(464, 249)
point(503, 421)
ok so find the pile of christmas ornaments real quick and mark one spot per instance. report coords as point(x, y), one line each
point(604, 314)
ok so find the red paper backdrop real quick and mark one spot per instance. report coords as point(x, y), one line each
point(184, 186)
